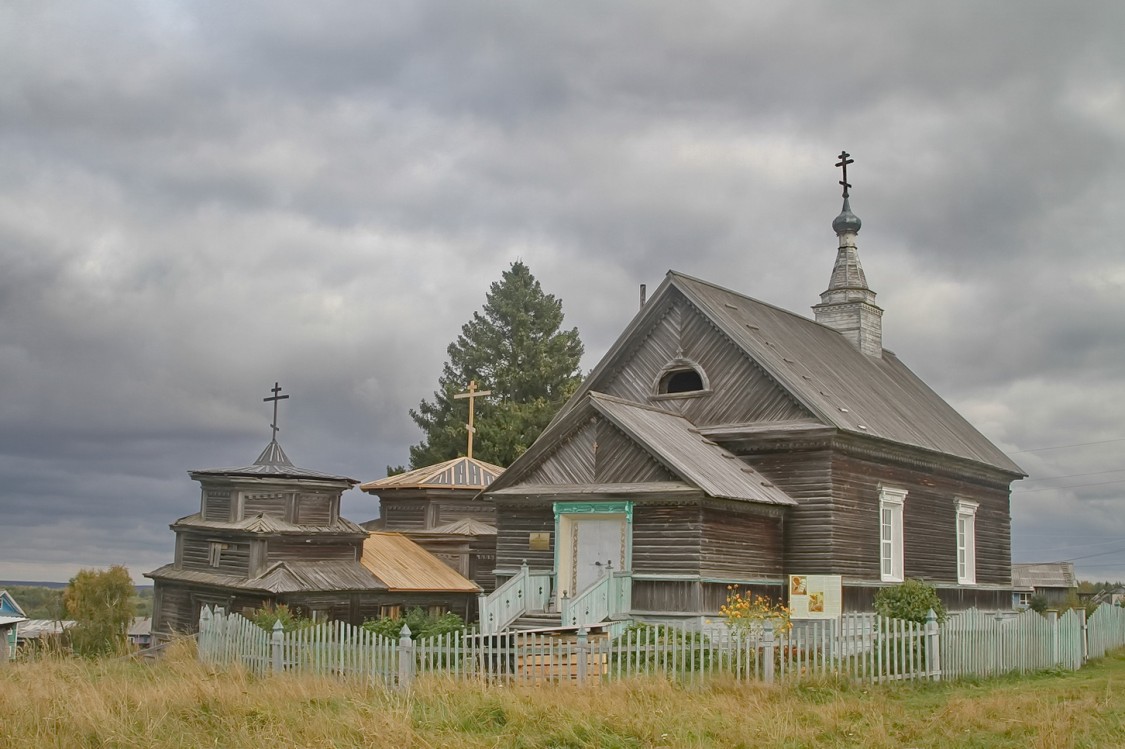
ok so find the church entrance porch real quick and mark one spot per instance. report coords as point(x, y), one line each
point(594, 542)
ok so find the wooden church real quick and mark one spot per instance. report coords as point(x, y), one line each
point(724, 441)
point(271, 533)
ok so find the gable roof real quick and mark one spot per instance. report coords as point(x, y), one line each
point(403, 565)
point(459, 473)
point(840, 385)
point(10, 611)
point(1044, 575)
point(669, 438)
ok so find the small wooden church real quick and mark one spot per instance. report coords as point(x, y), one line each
point(724, 441)
point(438, 507)
point(272, 533)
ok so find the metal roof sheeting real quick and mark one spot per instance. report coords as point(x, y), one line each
point(405, 566)
point(283, 577)
point(459, 473)
point(1044, 575)
point(273, 463)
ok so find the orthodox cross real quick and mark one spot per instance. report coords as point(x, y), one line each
point(844, 161)
point(472, 395)
point(276, 389)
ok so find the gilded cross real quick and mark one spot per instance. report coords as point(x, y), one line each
point(276, 390)
point(843, 162)
point(472, 395)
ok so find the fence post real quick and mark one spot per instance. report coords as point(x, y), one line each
point(276, 641)
point(1053, 618)
point(203, 647)
point(1085, 637)
point(933, 648)
point(405, 659)
point(769, 647)
point(582, 649)
point(482, 613)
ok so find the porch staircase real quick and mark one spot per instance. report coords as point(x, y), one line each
point(522, 602)
point(537, 620)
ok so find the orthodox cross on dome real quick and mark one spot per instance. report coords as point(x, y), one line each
point(472, 395)
point(843, 162)
point(276, 390)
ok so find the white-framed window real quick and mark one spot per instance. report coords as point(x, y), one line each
point(1021, 600)
point(891, 502)
point(966, 542)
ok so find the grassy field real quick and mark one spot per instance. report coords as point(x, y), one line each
point(180, 703)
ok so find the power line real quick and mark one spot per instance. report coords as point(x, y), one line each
point(1061, 488)
point(1073, 475)
point(1060, 447)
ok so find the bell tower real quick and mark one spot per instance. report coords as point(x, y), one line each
point(848, 305)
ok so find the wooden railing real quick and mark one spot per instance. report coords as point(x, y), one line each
point(610, 596)
point(526, 591)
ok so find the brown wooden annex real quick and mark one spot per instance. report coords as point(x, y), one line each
point(724, 441)
point(438, 508)
point(271, 533)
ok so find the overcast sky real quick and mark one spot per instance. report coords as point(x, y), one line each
point(200, 198)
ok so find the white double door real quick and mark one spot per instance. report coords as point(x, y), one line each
point(597, 547)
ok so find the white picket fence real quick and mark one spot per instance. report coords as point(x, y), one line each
point(862, 648)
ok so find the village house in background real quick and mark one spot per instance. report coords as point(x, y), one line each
point(271, 533)
point(724, 441)
point(11, 617)
point(1054, 581)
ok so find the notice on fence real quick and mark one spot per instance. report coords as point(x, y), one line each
point(815, 596)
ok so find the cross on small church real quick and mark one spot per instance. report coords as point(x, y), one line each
point(472, 395)
point(276, 389)
point(843, 162)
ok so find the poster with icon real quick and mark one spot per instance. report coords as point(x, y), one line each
point(815, 596)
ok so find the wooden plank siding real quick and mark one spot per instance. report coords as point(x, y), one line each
point(929, 522)
point(316, 509)
point(283, 550)
point(739, 390)
point(274, 504)
point(620, 460)
point(666, 539)
point(233, 560)
point(217, 505)
point(809, 529)
point(403, 515)
point(515, 523)
point(572, 462)
point(737, 544)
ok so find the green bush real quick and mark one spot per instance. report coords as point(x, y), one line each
point(421, 623)
point(1038, 603)
point(269, 614)
point(911, 600)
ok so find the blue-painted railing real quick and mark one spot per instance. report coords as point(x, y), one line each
point(526, 591)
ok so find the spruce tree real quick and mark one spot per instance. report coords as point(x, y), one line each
point(516, 348)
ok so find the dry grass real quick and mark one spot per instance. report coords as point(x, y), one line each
point(179, 703)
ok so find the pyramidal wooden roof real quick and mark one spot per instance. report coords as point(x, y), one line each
point(459, 473)
point(272, 463)
point(403, 565)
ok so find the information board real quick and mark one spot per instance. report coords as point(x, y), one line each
point(815, 596)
